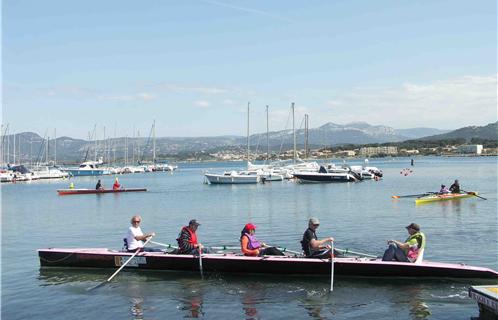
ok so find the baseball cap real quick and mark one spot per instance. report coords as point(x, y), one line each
point(250, 226)
point(314, 221)
point(194, 222)
point(413, 226)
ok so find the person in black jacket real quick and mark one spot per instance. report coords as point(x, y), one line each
point(312, 247)
point(455, 187)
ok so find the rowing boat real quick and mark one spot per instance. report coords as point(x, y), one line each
point(63, 192)
point(235, 263)
point(443, 197)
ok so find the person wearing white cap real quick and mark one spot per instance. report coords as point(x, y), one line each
point(312, 247)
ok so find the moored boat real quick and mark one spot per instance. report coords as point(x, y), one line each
point(229, 262)
point(443, 197)
point(63, 192)
point(233, 177)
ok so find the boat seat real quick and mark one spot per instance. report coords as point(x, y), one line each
point(420, 257)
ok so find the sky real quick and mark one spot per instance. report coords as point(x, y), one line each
point(192, 66)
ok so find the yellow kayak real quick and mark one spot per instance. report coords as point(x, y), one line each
point(443, 197)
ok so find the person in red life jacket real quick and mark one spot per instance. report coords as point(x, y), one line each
point(187, 239)
point(250, 246)
point(116, 185)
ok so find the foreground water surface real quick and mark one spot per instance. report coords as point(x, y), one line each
point(361, 216)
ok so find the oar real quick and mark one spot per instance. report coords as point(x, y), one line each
point(332, 266)
point(291, 251)
point(168, 246)
point(121, 268)
point(346, 251)
point(474, 194)
point(200, 262)
point(412, 195)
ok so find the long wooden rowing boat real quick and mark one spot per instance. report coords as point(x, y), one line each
point(283, 265)
point(63, 192)
point(443, 197)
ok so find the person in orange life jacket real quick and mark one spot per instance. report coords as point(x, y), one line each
point(312, 247)
point(250, 246)
point(187, 239)
point(116, 185)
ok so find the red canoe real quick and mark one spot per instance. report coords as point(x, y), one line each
point(63, 192)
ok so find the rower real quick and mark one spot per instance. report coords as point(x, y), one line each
point(99, 186)
point(187, 239)
point(411, 250)
point(250, 246)
point(134, 239)
point(444, 190)
point(312, 247)
point(116, 185)
point(71, 185)
point(455, 187)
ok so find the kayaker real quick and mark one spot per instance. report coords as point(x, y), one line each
point(250, 246)
point(444, 190)
point(312, 247)
point(135, 237)
point(455, 187)
point(187, 239)
point(99, 186)
point(116, 185)
point(409, 250)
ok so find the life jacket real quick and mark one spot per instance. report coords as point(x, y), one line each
point(193, 236)
point(116, 186)
point(253, 242)
point(413, 251)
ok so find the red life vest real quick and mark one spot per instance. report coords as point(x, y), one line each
point(193, 236)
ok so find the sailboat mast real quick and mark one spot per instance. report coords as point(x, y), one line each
point(154, 142)
point(14, 148)
point(55, 146)
point(294, 132)
point(248, 132)
point(306, 147)
point(267, 137)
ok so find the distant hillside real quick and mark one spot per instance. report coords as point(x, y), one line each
point(33, 148)
point(416, 133)
point(488, 132)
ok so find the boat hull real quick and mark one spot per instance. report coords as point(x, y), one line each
point(325, 177)
point(64, 192)
point(228, 179)
point(444, 197)
point(104, 258)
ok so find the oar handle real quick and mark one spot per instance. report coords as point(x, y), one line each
point(127, 261)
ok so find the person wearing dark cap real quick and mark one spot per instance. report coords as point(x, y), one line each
point(444, 190)
point(250, 246)
point(455, 187)
point(187, 239)
point(312, 247)
point(409, 250)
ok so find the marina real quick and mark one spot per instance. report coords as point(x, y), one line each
point(281, 211)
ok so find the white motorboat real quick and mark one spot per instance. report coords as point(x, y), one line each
point(233, 177)
point(47, 172)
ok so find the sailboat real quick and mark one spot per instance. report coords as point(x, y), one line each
point(236, 177)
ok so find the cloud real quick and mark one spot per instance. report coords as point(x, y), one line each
point(143, 96)
point(66, 91)
point(196, 89)
point(202, 103)
point(450, 103)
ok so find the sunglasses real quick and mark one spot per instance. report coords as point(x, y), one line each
point(315, 225)
point(136, 221)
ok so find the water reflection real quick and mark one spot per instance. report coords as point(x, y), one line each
point(191, 302)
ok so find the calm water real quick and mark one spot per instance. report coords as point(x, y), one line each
point(360, 216)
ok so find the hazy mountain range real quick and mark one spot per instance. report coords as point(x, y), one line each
point(34, 147)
